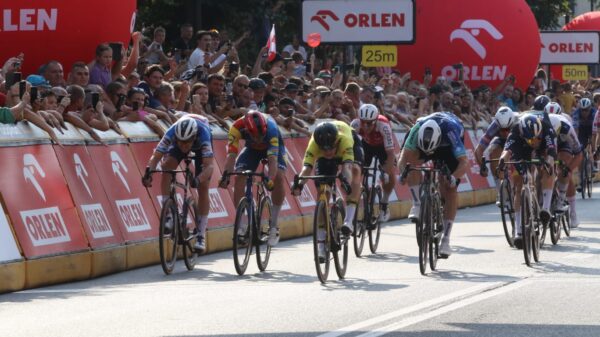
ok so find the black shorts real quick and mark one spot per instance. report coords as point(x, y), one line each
point(443, 154)
point(374, 151)
point(521, 151)
point(176, 153)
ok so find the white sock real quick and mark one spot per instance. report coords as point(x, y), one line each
point(547, 196)
point(414, 194)
point(350, 210)
point(497, 181)
point(562, 190)
point(202, 225)
point(518, 222)
point(447, 229)
point(571, 201)
point(385, 197)
point(275, 215)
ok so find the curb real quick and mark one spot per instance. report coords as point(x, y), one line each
point(58, 269)
point(12, 277)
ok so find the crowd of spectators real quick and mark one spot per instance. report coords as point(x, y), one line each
point(202, 74)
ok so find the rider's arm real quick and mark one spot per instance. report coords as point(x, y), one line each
point(273, 149)
point(233, 143)
point(463, 166)
point(155, 159)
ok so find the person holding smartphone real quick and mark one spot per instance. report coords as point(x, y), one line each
point(202, 56)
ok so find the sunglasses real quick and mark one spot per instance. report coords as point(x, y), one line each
point(368, 123)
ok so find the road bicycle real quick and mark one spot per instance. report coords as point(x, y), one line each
point(329, 215)
point(366, 221)
point(178, 220)
point(586, 175)
point(507, 210)
point(252, 223)
point(560, 213)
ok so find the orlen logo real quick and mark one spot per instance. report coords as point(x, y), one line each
point(117, 166)
point(81, 173)
point(361, 20)
point(27, 20)
point(470, 29)
point(322, 15)
point(31, 168)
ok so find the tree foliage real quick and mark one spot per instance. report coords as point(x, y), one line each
point(548, 12)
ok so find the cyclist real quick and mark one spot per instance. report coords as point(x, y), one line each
point(495, 138)
point(262, 140)
point(191, 133)
point(333, 143)
point(377, 140)
point(528, 136)
point(583, 120)
point(570, 152)
point(438, 136)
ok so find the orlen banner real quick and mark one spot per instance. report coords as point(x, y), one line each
point(66, 30)
point(570, 47)
point(493, 39)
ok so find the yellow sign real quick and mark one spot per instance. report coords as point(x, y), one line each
point(574, 72)
point(379, 56)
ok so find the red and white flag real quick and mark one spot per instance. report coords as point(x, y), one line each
point(271, 45)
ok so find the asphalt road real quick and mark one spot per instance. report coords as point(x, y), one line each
point(483, 289)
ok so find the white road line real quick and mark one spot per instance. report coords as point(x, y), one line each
point(404, 311)
point(445, 309)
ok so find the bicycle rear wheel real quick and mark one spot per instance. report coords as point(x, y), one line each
point(435, 232)
point(583, 175)
point(188, 235)
point(375, 228)
point(339, 243)
point(362, 216)
point(242, 236)
point(507, 211)
point(320, 223)
point(167, 237)
point(263, 249)
point(423, 231)
point(590, 179)
point(566, 222)
point(555, 222)
point(526, 223)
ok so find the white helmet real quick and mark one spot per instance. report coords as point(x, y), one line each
point(553, 108)
point(186, 129)
point(505, 117)
point(430, 136)
point(368, 112)
point(585, 103)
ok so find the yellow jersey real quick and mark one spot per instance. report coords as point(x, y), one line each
point(344, 144)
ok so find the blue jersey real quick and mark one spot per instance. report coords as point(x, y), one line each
point(202, 145)
point(452, 133)
point(271, 142)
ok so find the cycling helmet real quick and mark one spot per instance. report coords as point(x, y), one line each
point(540, 102)
point(186, 129)
point(430, 136)
point(255, 123)
point(325, 135)
point(368, 112)
point(553, 108)
point(531, 126)
point(585, 103)
point(505, 117)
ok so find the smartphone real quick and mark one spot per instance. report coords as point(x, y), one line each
point(308, 67)
point(34, 94)
point(120, 102)
point(117, 51)
point(22, 88)
point(135, 106)
point(234, 67)
point(12, 78)
point(87, 101)
point(95, 99)
point(196, 99)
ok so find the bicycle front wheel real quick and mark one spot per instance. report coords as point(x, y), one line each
point(538, 232)
point(435, 231)
point(375, 228)
point(566, 222)
point(319, 225)
point(242, 236)
point(339, 242)
point(189, 253)
point(507, 211)
point(583, 175)
point(527, 224)
point(168, 234)
point(590, 179)
point(555, 222)
point(263, 249)
point(362, 214)
point(423, 230)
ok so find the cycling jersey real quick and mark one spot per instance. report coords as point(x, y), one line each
point(567, 138)
point(516, 143)
point(271, 141)
point(344, 142)
point(452, 133)
point(494, 134)
point(583, 125)
point(381, 134)
point(202, 144)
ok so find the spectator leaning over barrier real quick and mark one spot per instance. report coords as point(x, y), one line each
point(53, 73)
point(152, 82)
point(80, 74)
point(286, 116)
point(136, 102)
point(39, 88)
point(116, 94)
point(77, 109)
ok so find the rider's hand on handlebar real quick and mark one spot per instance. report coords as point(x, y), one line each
point(224, 182)
point(483, 170)
point(269, 184)
point(296, 189)
point(501, 165)
point(147, 178)
point(453, 181)
point(549, 164)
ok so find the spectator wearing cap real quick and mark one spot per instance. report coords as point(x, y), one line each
point(80, 74)
point(325, 76)
point(291, 91)
point(294, 47)
point(259, 89)
point(54, 73)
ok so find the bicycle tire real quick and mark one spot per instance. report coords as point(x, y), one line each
point(362, 213)
point(167, 240)
point(566, 224)
point(320, 220)
point(189, 253)
point(338, 214)
point(538, 232)
point(263, 222)
point(526, 224)
point(583, 175)
point(375, 233)
point(556, 220)
point(242, 250)
point(424, 235)
point(436, 224)
point(507, 211)
point(590, 179)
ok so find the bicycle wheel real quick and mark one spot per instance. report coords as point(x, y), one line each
point(167, 237)
point(507, 211)
point(362, 214)
point(537, 230)
point(188, 235)
point(555, 221)
point(590, 179)
point(424, 234)
point(375, 229)
point(526, 223)
point(263, 249)
point(242, 236)
point(435, 232)
point(320, 222)
point(583, 176)
point(340, 244)
point(566, 223)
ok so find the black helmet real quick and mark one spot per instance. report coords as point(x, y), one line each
point(325, 135)
point(540, 102)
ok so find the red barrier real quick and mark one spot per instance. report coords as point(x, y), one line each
point(38, 201)
point(477, 181)
point(96, 213)
point(296, 148)
point(122, 181)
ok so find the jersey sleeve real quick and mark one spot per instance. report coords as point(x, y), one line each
point(346, 147)
point(458, 147)
point(312, 151)
point(272, 138)
point(386, 133)
point(166, 141)
point(596, 123)
point(411, 140)
point(490, 133)
point(234, 136)
point(576, 119)
point(205, 138)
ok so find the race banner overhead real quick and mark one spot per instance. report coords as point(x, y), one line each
point(360, 21)
point(570, 47)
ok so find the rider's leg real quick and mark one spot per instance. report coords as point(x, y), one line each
point(495, 152)
point(563, 179)
point(414, 183)
point(517, 181)
point(352, 199)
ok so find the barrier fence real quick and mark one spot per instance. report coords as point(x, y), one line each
point(80, 210)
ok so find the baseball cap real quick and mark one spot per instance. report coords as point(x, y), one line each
point(291, 87)
point(323, 74)
point(257, 83)
point(38, 81)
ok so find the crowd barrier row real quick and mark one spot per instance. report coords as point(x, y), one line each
point(80, 211)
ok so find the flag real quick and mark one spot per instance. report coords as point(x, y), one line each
point(271, 45)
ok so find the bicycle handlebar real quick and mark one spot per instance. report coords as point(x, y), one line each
point(322, 178)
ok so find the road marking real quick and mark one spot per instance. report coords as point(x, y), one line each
point(404, 311)
point(445, 309)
